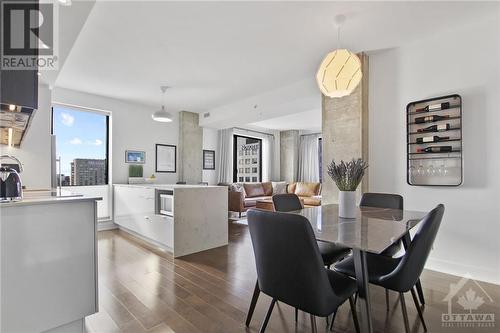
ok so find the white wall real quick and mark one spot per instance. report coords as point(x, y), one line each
point(35, 148)
point(132, 128)
point(465, 62)
point(210, 143)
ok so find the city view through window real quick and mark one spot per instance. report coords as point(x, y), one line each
point(247, 159)
point(81, 148)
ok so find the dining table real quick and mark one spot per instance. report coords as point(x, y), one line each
point(373, 230)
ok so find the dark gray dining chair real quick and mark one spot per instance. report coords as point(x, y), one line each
point(330, 252)
point(401, 274)
point(290, 268)
point(392, 201)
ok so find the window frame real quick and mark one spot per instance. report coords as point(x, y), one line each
point(104, 113)
point(235, 156)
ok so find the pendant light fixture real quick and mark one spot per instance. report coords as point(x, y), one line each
point(162, 115)
point(340, 72)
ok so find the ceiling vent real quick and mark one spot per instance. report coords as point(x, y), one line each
point(206, 115)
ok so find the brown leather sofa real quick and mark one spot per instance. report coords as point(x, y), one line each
point(243, 196)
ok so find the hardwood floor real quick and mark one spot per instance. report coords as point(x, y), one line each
point(142, 289)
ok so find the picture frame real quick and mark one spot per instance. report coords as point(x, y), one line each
point(135, 156)
point(208, 159)
point(166, 158)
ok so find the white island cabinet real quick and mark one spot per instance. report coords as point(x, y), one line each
point(197, 220)
point(48, 263)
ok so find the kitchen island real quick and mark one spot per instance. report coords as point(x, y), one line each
point(194, 218)
point(48, 262)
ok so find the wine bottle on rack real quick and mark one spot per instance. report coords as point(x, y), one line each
point(430, 119)
point(435, 149)
point(434, 138)
point(434, 107)
point(434, 128)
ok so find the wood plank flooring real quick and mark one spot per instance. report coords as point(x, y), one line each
point(142, 289)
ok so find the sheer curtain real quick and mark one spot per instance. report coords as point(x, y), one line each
point(268, 158)
point(309, 158)
point(225, 148)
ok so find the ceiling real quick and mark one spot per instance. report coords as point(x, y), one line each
point(217, 53)
point(295, 121)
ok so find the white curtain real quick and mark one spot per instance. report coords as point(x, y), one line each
point(309, 158)
point(268, 158)
point(225, 148)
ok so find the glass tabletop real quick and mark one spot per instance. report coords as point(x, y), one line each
point(373, 230)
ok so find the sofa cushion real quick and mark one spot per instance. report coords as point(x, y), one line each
point(253, 190)
point(311, 201)
point(279, 187)
point(291, 188)
point(307, 189)
point(268, 188)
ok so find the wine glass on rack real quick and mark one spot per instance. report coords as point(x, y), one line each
point(431, 171)
point(420, 169)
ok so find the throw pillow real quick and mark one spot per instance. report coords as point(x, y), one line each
point(279, 187)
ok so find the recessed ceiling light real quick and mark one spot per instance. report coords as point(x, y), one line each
point(65, 2)
point(38, 73)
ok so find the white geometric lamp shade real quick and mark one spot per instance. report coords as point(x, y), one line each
point(339, 73)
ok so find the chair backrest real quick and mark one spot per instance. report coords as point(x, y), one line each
point(406, 274)
point(382, 200)
point(289, 265)
point(286, 202)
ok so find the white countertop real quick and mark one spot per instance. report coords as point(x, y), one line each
point(48, 197)
point(165, 186)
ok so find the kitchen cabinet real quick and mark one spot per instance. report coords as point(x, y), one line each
point(199, 220)
point(48, 263)
point(20, 88)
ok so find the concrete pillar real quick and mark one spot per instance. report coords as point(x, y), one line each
point(345, 132)
point(190, 148)
point(289, 155)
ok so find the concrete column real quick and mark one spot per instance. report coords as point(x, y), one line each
point(289, 155)
point(190, 148)
point(345, 132)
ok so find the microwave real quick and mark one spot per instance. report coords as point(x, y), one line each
point(165, 202)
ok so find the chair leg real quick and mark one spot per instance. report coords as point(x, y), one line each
point(405, 313)
point(253, 303)
point(387, 300)
point(296, 315)
point(420, 292)
point(313, 324)
point(420, 314)
point(333, 319)
point(240, 215)
point(354, 314)
point(268, 315)
point(356, 297)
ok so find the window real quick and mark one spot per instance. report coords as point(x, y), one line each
point(241, 179)
point(81, 146)
point(247, 153)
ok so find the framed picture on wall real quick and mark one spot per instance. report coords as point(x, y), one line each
point(135, 156)
point(208, 159)
point(166, 158)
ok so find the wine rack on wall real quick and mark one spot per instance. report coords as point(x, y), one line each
point(434, 142)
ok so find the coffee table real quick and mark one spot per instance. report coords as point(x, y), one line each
point(265, 204)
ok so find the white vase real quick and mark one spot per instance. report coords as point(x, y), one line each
point(347, 204)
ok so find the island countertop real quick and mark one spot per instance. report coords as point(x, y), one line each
point(166, 186)
point(47, 197)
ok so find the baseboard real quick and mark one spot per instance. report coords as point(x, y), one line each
point(145, 241)
point(475, 272)
point(106, 225)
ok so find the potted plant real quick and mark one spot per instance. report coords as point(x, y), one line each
point(135, 174)
point(347, 176)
